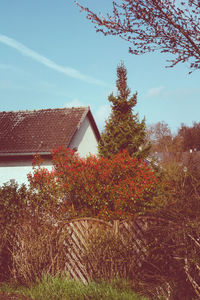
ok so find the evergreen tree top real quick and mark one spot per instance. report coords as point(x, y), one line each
point(123, 129)
point(121, 103)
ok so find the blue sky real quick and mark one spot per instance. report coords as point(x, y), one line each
point(51, 56)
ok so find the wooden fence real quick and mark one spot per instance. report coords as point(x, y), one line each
point(81, 229)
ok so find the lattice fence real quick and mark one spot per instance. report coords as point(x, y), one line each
point(81, 229)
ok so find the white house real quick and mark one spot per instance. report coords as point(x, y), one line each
point(25, 133)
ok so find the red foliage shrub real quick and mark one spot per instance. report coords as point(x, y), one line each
point(113, 188)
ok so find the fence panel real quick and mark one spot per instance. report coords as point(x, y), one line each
point(80, 231)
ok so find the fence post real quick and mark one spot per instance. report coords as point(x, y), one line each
point(116, 228)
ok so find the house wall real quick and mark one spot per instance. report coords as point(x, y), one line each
point(85, 140)
point(17, 169)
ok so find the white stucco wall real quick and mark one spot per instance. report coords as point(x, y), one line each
point(85, 140)
point(18, 173)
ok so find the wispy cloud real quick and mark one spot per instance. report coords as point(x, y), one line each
point(47, 62)
point(176, 93)
point(186, 92)
point(155, 92)
point(101, 115)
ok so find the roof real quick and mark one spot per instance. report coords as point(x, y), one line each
point(40, 131)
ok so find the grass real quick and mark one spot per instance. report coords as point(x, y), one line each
point(62, 288)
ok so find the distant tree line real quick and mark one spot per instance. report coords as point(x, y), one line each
point(162, 139)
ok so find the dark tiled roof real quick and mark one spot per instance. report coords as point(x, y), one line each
point(40, 131)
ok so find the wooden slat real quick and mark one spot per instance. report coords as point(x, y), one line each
point(82, 228)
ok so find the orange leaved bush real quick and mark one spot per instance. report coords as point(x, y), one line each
point(109, 188)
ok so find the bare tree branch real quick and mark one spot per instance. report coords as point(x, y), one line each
point(155, 25)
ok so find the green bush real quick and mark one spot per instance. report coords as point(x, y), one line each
point(13, 201)
point(28, 237)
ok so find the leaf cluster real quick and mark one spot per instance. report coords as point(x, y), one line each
point(113, 188)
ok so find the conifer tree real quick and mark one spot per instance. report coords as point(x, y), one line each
point(123, 129)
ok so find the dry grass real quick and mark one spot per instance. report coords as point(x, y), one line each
point(108, 257)
point(39, 247)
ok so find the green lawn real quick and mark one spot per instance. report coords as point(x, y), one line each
point(55, 288)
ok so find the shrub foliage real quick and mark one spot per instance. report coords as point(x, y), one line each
point(112, 188)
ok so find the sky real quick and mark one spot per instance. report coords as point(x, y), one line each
point(52, 57)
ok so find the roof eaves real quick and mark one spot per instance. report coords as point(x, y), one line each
point(23, 154)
